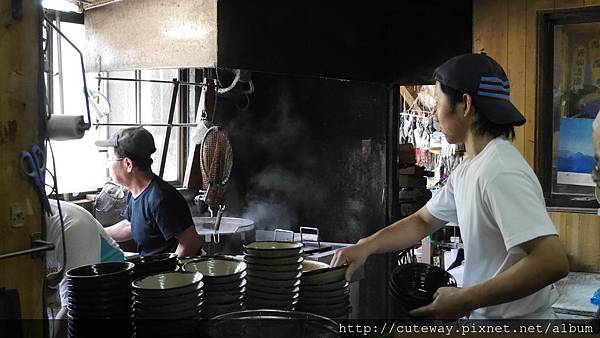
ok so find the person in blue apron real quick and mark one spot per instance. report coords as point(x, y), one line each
point(512, 250)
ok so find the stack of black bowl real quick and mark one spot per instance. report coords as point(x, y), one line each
point(413, 285)
point(224, 283)
point(274, 270)
point(167, 304)
point(324, 290)
point(99, 300)
point(148, 265)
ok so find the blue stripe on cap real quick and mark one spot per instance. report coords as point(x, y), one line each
point(497, 88)
point(493, 94)
point(495, 79)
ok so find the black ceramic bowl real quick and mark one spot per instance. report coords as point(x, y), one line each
point(113, 328)
point(100, 302)
point(84, 314)
point(146, 265)
point(109, 270)
point(272, 323)
point(100, 293)
point(100, 277)
point(413, 285)
point(230, 286)
point(153, 259)
point(99, 285)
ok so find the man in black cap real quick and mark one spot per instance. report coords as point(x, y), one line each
point(157, 217)
point(512, 250)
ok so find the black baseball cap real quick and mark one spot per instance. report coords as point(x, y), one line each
point(136, 141)
point(483, 78)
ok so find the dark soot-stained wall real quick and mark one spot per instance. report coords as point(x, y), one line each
point(309, 151)
point(386, 41)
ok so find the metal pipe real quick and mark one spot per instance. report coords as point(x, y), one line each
point(43, 246)
point(60, 68)
point(99, 3)
point(168, 134)
point(138, 96)
point(179, 125)
point(181, 83)
point(50, 70)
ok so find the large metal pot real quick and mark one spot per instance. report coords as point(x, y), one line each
point(233, 233)
point(272, 323)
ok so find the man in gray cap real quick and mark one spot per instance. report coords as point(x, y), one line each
point(157, 217)
point(512, 250)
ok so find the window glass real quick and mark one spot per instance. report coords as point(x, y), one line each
point(576, 101)
point(155, 102)
point(121, 95)
point(79, 167)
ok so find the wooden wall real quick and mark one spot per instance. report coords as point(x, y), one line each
point(19, 116)
point(580, 233)
point(506, 30)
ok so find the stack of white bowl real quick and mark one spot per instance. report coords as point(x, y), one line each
point(224, 283)
point(274, 270)
point(324, 290)
point(173, 298)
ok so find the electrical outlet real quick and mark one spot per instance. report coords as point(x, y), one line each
point(17, 215)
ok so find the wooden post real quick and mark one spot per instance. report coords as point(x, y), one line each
point(20, 111)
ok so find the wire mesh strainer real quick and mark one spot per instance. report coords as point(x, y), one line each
point(216, 161)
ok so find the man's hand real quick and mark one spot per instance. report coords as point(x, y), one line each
point(354, 256)
point(448, 303)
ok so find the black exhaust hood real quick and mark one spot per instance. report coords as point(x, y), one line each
point(379, 41)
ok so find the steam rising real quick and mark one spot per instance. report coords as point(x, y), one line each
point(284, 187)
point(276, 197)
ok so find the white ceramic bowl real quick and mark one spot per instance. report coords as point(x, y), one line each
point(272, 249)
point(168, 284)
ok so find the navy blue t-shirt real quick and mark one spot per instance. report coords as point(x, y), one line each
point(157, 216)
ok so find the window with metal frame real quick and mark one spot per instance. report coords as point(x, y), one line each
point(116, 105)
point(568, 102)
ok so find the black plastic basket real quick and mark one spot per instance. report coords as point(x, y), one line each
point(413, 285)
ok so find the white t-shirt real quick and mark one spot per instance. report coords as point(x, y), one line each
point(85, 238)
point(498, 203)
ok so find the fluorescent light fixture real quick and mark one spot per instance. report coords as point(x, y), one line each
point(61, 5)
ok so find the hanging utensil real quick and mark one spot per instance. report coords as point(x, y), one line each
point(216, 234)
point(216, 161)
point(207, 103)
point(203, 124)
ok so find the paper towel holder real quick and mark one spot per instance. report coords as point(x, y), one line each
point(68, 127)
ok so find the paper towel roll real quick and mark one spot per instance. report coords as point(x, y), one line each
point(65, 127)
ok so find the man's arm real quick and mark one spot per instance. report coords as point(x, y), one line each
point(121, 231)
point(545, 263)
point(60, 324)
point(397, 236)
point(189, 242)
